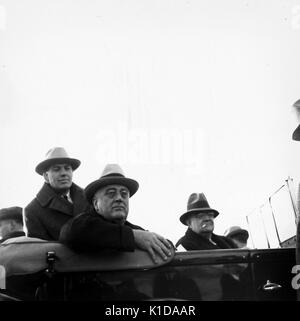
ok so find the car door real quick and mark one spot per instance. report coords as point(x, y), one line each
point(272, 274)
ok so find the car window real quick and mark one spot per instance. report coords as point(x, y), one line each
point(257, 230)
point(269, 223)
point(284, 213)
point(273, 223)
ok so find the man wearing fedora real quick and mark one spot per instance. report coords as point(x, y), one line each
point(59, 199)
point(105, 225)
point(238, 235)
point(200, 221)
point(11, 223)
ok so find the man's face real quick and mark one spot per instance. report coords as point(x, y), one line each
point(59, 176)
point(6, 227)
point(201, 222)
point(112, 202)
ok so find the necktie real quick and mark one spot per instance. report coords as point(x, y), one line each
point(67, 199)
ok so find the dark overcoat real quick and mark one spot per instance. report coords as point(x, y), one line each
point(90, 231)
point(48, 212)
point(193, 241)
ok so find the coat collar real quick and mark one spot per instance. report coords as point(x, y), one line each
point(92, 211)
point(221, 242)
point(198, 237)
point(48, 198)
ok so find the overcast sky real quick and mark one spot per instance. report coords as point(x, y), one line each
point(187, 96)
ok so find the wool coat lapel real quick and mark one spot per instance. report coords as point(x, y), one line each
point(194, 241)
point(48, 198)
point(79, 200)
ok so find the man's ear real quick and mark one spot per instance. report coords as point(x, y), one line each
point(45, 174)
point(95, 205)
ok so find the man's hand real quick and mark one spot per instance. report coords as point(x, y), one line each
point(153, 244)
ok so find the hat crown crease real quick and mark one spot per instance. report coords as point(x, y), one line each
point(57, 152)
point(112, 169)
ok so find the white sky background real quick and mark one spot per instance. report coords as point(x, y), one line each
point(100, 78)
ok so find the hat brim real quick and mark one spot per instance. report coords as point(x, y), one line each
point(185, 216)
point(93, 187)
point(296, 134)
point(44, 165)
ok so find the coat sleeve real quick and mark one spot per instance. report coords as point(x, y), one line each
point(232, 245)
point(91, 232)
point(33, 225)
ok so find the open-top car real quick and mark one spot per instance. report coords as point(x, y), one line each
point(34, 269)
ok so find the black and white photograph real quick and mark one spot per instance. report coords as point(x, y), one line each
point(150, 153)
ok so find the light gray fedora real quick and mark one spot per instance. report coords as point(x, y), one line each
point(112, 174)
point(56, 155)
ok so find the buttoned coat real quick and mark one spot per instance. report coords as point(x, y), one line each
point(48, 212)
point(91, 231)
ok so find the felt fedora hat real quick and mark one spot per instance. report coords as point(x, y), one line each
point(111, 175)
point(296, 133)
point(236, 230)
point(11, 213)
point(56, 155)
point(197, 203)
